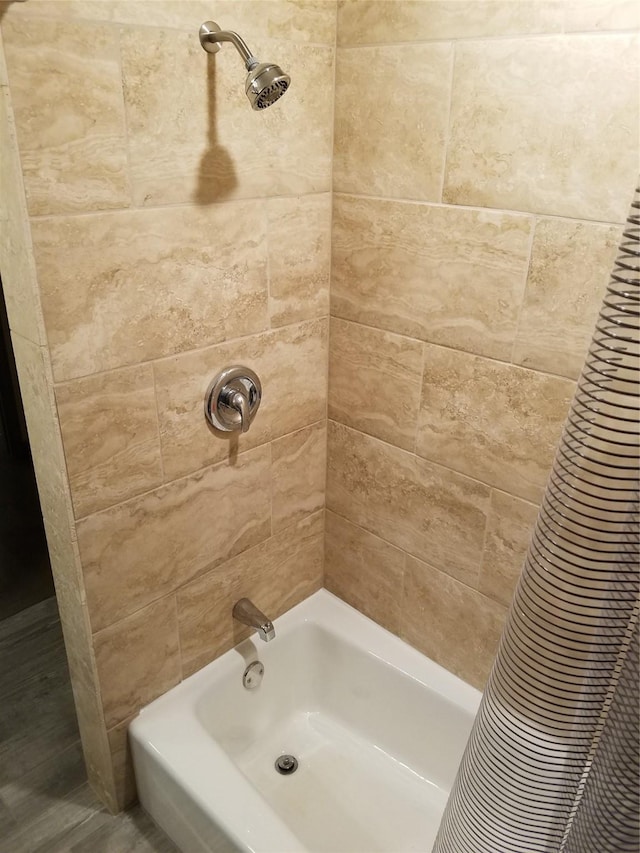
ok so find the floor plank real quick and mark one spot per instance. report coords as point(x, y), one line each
point(27, 797)
point(46, 804)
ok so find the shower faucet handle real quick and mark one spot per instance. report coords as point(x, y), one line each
point(232, 399)
point(236, 398)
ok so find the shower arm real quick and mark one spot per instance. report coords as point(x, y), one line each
point(211, 35)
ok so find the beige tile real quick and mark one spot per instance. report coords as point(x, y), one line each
point(509, 530)
point(214, 146)
point(147, 547)
point(120, 288)
point(69, 9)
point(570, 267)
point(302, 20)
point(95, 746)
point(299, 238)
point(138, 659)
point(84, 682)
point(420, 507)
point(441, 274)
point(275, 575)
point(601, 15)
point(546, 125)
point(19, 283)
point(298, 472)
point(124, 778)
point(383, 143)
point(454, 625)
point(495, 422)
point(369, 21)
point(67, 94)
point(365, 571)
point(110, 432)
point(292, 366)
point(375, 379)
point(36, 389)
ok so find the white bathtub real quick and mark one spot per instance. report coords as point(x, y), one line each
point(378, 730)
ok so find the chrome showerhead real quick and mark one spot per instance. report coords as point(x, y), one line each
point(266, 81)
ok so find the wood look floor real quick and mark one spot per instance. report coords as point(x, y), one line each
point(46, 804)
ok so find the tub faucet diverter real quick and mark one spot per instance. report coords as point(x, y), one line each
point(246, 612)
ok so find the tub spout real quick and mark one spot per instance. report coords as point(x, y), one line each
point(246, 612)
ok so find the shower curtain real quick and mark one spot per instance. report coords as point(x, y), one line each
point(553, 759)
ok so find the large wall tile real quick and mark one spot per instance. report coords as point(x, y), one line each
point(70, 123)
point(299, 238)
point(122, 761)
point(570, 266)
point(275, 575)
point(300, 21)
point(370, 21)
point(492, 421)
point(546, 125)
point(292, 365)
point(138, 659)
point(454, 625)
point(109, 428)
point(600, 15)
point(211, 145)
point(420, 507)
point(19, 283)
point(298, 474)
point(375, 380)
point(364, 570)
point(120, 288)
point(509, 530)
point(36, 390)
point(383, 144)
point(147, 547)
point(445, 275)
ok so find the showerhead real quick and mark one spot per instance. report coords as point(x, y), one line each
point(266, 81)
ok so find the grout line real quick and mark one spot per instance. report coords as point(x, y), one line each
point(180, 661)
point(420, 458)
point(462, 352)
point(271, 489)
point(523, 298)
point(28, 14)
point(157, 413)
point(188, 205)
point(475, 208)
point(227, 460)
point(328, 360)
point(199, 574)
point(447, 134)
point(548, 34)
point(560, 33)
point(331, 227)
point(485, 536)
point(267, 243)
point(158, 359)
point(409, 555)
point(420, 398)
point(125, 122)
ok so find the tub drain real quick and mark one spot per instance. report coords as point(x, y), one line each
point(286, 764)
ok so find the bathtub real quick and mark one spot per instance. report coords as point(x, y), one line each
point(377, 729)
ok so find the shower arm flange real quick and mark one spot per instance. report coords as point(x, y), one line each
point(211, 36)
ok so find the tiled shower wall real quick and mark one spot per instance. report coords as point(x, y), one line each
point(175, 231)
point(169, 232)
point(485, 155)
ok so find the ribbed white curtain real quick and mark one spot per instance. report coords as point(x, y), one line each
point(552, 763)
